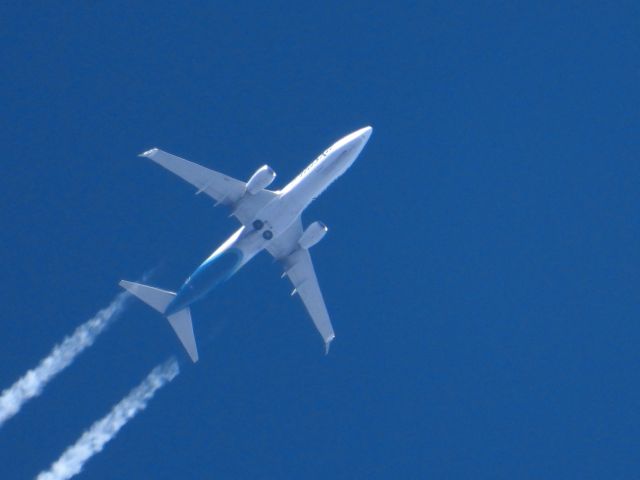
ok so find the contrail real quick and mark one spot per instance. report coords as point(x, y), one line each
point(33, 382)
point(93, 440)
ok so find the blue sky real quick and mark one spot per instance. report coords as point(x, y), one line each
point(481, 266)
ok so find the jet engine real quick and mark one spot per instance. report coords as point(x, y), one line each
point(263, 177)
point(312, 235)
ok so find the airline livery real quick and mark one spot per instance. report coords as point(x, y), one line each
point(270, 221)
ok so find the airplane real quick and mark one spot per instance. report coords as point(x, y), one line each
point(271, 220)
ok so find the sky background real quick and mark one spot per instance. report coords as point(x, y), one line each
point(481, 265)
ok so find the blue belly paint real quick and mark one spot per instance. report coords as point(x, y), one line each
point(213, 271)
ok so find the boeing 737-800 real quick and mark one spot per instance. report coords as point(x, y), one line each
point(270, 221)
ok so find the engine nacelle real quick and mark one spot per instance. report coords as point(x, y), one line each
point(312, 235)
point(263, 177)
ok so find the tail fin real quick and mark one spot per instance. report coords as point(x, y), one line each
point(180, 321)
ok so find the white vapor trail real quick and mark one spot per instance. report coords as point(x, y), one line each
point(33, 382)
point(93, 440)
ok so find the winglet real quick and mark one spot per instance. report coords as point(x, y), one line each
point(148, 153)
point(327, 343)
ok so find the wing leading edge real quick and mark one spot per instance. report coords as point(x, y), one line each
point(298, 267)
point(222, 188)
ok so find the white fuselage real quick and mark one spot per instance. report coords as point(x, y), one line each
point(296, 196)
point(276, 217)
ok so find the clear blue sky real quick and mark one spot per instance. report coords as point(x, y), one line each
point(481, 266)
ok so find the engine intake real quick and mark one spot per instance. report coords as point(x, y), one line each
point(260, 180)
point(312, 235)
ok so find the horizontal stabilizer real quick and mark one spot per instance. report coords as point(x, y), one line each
point(154, 297)
point(160, 299)
point(181, 324)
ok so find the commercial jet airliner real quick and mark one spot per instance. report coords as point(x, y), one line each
point(270, 220)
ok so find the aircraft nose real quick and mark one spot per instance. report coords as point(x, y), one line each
point(364, 133)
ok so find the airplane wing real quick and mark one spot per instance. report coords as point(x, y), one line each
point(299, 268)
point(222, 188)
